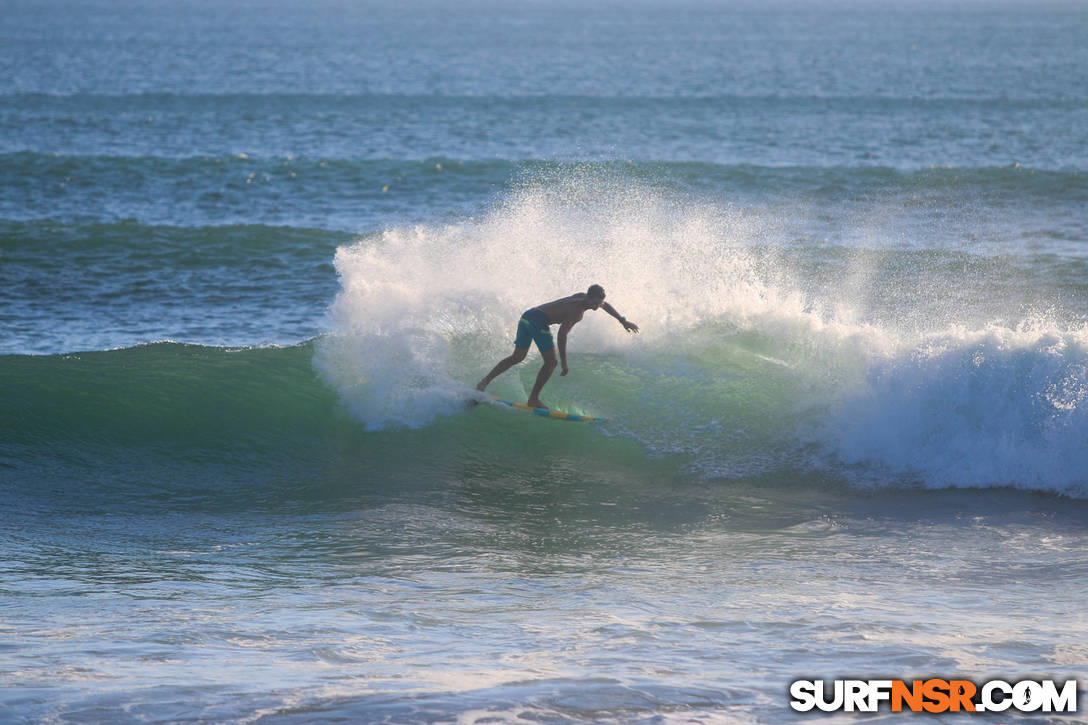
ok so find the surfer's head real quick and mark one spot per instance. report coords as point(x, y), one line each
point(595, 295)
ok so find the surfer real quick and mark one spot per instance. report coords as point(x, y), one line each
point(534, 327)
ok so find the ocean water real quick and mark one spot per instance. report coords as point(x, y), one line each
point(254, 256)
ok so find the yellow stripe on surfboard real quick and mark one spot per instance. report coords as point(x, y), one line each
point(548, 412)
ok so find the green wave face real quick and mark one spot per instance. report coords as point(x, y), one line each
point(789, 402)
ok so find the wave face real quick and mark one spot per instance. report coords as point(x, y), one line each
point(775, 392)
point(779, 396)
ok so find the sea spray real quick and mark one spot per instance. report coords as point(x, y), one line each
point(411, 297)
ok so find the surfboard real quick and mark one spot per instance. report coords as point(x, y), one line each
point(549, 412)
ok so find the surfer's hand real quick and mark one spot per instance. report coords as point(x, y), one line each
point(565, 371)
point(630, 326)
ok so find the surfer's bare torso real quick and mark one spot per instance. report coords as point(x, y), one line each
point(568, 310)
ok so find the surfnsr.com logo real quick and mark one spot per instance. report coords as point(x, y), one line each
point(934, 695)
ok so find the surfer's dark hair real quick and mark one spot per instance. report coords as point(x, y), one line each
point(595, 290)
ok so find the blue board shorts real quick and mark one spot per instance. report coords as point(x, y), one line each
point(533, 327)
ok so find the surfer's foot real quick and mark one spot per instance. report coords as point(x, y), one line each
point(481, 385)
point(535, 403)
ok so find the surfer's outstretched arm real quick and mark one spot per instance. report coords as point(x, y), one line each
point(627, 324)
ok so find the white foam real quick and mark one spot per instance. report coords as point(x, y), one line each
point(424, 312)
point(988, 407)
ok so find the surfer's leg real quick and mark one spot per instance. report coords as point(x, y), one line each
point(505, 364)
point(542, 377)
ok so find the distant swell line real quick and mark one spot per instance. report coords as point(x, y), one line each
point(28, 161)
point(1026, 102)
